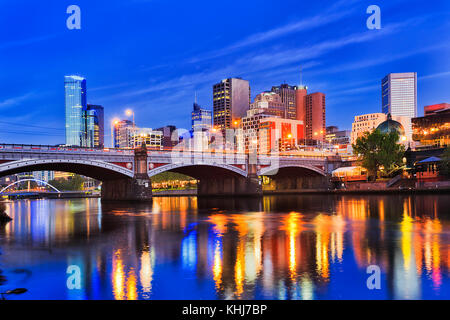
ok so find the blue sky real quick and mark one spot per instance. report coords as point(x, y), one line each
point(153, 55)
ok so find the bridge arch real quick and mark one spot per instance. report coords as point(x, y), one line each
point(199, 170)
point(269, 171)
point(99, 170)
point(24, 180)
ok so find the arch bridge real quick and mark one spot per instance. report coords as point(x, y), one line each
point(126, 173)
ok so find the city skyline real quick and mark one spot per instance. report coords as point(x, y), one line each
point(338, 54)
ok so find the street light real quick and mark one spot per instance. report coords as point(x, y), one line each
point(114, 123)
point(130, 113)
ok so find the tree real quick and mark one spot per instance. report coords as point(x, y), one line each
point(444, 168)
point(379, 151)
point(74, 184)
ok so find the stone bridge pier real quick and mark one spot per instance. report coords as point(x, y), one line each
point(138, 188)
point(226, 184)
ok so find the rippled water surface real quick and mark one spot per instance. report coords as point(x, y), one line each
point(283, 247)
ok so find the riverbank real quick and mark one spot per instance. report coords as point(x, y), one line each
point(363, 191)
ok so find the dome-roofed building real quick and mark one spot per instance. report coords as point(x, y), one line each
point(390, 125)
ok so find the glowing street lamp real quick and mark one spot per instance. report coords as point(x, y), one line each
point(130, 113)
point(114, 123)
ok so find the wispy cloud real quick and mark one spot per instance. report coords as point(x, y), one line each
point(266, 61)
point(15, 101)
point(365, 63)
point(435, 75)
point(325, 18)
point(25, 42)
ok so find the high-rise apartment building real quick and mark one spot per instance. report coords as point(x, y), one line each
point(288, 97)
point(201, 118)
point(75, 108)
point(231, 100)
point(399, 94)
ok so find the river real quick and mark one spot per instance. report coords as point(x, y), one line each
point(277, 247)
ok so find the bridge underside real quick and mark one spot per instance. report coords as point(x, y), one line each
point(98, 173)
point(295, 179)
point(217, 181)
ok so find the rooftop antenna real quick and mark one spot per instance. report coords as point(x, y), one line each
point(301, 77)
point(195, 99)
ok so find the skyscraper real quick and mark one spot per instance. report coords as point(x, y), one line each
point(201, 118)
point(399, 94)
point(75, 106)
point(231, 100)
point(288, 97)
point(94, 121)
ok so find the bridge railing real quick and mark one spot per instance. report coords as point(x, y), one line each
point(312, 155)
point(47, 148)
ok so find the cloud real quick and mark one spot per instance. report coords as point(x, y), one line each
point(25, 42)
point(365, 63)
point(320, 20)
point(435, 75)
point(267, 61)
point(15, 101)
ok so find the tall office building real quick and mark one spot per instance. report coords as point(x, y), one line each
point(288, 97)
point(399, 97)
point(399, 94)
point(75, 104)
point(201, 118)
point(94, 122)
point(231, 100)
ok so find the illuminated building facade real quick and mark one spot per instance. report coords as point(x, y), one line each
point(277, 134)
point(75, 108)
point(334, 136)
point(365, 123)
point(433, 129)
point(94, 122)
point(399, 94)
point(288, 97)
point(201, 118)
point(123, 133)
point(151, 138)
point(399, 97)
point(231, 100)
point(269, 103)
point(315, 119)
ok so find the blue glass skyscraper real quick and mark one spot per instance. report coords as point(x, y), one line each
point(76, 106)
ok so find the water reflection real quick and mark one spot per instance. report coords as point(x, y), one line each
point(284, 247)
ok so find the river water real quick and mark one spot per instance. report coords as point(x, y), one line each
point(280, 247)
